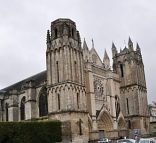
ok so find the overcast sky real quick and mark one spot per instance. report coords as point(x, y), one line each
point(23, 26)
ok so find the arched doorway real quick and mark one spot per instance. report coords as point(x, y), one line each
point(22, 108)
point(43, 103)
point(105, 121)
point(105, 124)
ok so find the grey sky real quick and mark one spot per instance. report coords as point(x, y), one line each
point(23, 25)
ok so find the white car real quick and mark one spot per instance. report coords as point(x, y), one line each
point(126, 141)
point(104, 141)
point(147, 140)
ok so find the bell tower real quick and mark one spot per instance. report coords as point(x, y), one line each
point(129, 65)
point(65, 81)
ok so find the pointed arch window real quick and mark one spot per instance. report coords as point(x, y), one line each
point(78, 101)
point(75, 67)
point(43, 102)
point(22, 108)
point(56, 33)
point(122, 71)
point(6, 110)
point(57, 71)
point(80, 127)
point(59, 104)
point(127, 105)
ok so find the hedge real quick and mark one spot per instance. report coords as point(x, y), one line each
point(30, 132)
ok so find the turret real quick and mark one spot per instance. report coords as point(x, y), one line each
point(138, 48)
point(48, 40)
point(106, 60)
point(85, 47)
point(64, 28)
point(114, 50)
point(130, 44)
point(92, 44)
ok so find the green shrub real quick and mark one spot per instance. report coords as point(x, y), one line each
point(30, 132)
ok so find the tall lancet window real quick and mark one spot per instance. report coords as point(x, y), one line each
point(75, 67)
point(43, 102)
point(127, 105)
point(6, 111)
point(58, 100)
point(122, 71)
point(57, 71)
point(78, 101)
point(56, 33)
point(22, 108)
point(80, 127)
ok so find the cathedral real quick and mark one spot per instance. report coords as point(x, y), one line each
point(81, 90)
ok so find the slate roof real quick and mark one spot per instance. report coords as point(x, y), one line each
point(38, 78)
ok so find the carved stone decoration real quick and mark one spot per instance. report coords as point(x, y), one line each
point(94, 58)
point(98, 88)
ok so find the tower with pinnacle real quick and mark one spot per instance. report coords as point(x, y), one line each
point(128, 64)
point(65, 77)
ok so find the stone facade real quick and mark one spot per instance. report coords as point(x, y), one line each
point(152, 111)
point(81, 90)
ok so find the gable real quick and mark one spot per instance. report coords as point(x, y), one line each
point(95, 58)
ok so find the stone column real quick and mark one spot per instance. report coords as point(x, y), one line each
point(65, 64)
point(61, 64)
point(68, 63)
point(81, 68)
point(53, 67)
point(92, 97)
point(30, 104)
point(71, 66)
point(54, 100)
point(13, 113)
point(113, 97)
point(48, 69)
point(72, 63)
point(50, 104)
point(13, 109)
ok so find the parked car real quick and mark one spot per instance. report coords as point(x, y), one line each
point(147, 140)
point(126, 141)
point(104, 141)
